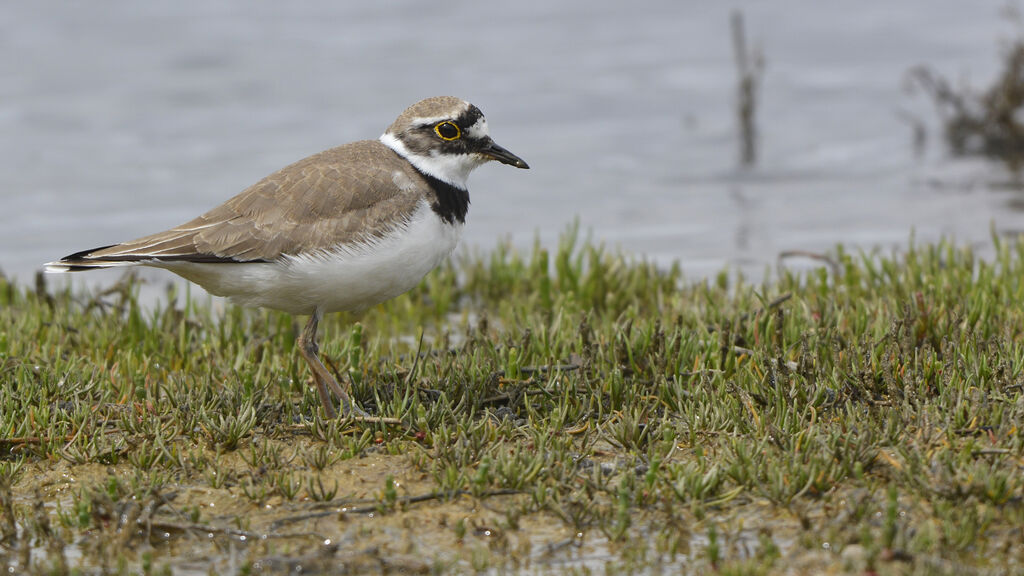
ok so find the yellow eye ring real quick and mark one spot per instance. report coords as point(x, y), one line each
point(448, 131)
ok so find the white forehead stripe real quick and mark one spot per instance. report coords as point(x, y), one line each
point(428, 121)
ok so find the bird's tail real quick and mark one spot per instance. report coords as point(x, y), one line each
point(81, 261)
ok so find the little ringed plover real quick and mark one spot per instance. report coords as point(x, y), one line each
point(344, 229)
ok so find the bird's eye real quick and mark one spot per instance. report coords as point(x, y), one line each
point(448, 131)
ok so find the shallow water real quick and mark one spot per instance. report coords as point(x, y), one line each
point(304, 536)
point(127, 118)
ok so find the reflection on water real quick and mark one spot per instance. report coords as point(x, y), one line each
point(127, 118)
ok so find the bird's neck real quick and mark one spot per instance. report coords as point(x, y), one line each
point(446, 176)
point(451, 168)
point(451, 202)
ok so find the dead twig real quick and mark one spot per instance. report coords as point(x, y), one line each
point(375, 505)
point(544, 369)
point(749, 66)
point(17, 442)
point(837, 271)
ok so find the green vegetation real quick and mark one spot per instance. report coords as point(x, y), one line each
point(577, 411)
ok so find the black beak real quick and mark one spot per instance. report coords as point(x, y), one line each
point(495, 152)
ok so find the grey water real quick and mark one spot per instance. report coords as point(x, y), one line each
point(122, 118)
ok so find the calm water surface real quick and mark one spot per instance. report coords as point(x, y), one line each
point(123, 118)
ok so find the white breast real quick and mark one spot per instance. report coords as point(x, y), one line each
point(348, 277)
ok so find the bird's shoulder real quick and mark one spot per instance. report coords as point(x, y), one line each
point(354, 176)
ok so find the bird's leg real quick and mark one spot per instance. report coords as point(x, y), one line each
point(324, 380)
point(309, 349)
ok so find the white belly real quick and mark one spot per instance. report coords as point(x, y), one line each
point(351, 277)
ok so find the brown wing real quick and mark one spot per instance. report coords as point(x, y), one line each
point(339, 196)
